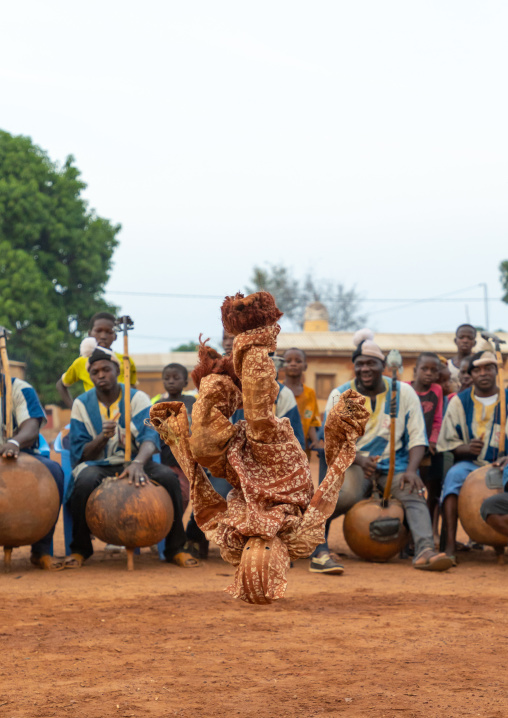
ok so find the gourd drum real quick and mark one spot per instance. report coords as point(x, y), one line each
point(472, 494)
point(357, 529)
point(122, 514)
point(29, 501)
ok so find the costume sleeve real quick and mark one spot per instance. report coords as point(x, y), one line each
point(170, 420)
point(345, 423)
point(332, 400)
point(79, 435)
point(71, 376)
point(453, 429)
point(415, 421)
point(25, 403)
point(438, 414)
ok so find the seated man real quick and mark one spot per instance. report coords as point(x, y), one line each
point(28, 417)
point(373, 454)
point(470, 430)
point(97, 444)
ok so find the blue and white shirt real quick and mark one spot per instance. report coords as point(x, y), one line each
point(409, 424)
point(285, 406)
point(25, 405)
point(86, 424)
point(467, 418)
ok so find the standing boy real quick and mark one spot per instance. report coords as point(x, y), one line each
point(465, 339)
point(306, 401)
point(430, 393)
point(175, 378)
point(102, 329)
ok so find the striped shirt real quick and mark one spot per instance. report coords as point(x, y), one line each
point(86, 424)
point(25, 405)
point(467, 418)
point(409, 424)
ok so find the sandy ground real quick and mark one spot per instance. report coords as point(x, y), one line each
point(381, 640)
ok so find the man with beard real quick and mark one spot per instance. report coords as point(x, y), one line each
point(373, 453)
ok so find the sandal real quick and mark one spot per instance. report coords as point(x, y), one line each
point(433, 561)
point(47, 562)
point(184, 560)
point(75, 560)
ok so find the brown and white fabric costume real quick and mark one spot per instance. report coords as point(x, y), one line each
point(272, 514)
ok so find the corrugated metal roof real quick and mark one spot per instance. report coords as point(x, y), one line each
point(342, 342)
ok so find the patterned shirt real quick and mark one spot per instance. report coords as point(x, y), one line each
point(409, 424)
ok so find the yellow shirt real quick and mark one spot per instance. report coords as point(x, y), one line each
point(308, 409)
point(77, 372)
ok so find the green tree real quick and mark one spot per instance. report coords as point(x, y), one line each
point(293, 295)
point(189, 347)
point(503, 268)
point(55, 260)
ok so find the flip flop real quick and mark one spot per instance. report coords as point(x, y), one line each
point(185, 560)
point(75, 560)
point(47, 562)
point(434, 561)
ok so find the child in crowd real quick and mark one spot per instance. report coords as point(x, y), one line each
point(175, 378)
point(102, 328)
point(227, 342)
point(294, 367)
point(465, 339)
point(425, 383)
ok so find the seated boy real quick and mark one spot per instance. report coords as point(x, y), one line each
point(102, 328)
point(175, 378)
point(306, 401)
point(471, 431)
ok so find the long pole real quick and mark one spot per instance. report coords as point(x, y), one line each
point(486, 304)
point(8, 382)
point(126, 323)
point(502, 401)
point(395, 361)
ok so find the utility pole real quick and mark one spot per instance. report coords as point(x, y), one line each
point(486, 304)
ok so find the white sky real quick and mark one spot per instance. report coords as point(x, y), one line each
point(364, 140)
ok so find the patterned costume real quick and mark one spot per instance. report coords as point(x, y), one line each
point(271, 515)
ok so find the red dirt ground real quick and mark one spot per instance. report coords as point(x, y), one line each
point(379, 641)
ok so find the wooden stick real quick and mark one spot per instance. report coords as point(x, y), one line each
point(126, 323)
point(394, 360)
point(7, 559)
point(502, 401)
point(130, 559)
point(8, 383)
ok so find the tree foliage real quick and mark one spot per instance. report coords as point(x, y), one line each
point(293, 296)
point(189, 347)
point(55, 260)
point(503, 268)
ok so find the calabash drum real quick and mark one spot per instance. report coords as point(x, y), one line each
point(29, 502)
point(472, 494)
point(361, 529)
point(119, 513)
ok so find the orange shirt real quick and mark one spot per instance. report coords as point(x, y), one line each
point(308, 409)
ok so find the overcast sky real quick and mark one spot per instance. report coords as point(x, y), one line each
point(366, 141)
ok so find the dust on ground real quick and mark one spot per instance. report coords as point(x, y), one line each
point(379, 641)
